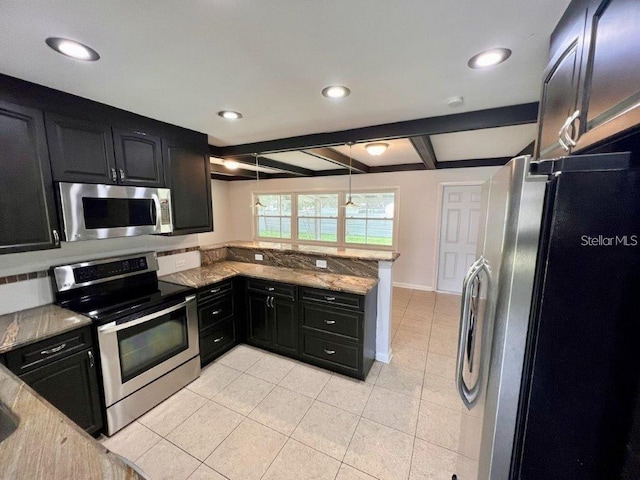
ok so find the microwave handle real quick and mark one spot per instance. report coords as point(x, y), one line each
point(112, 327)
point(154, 209)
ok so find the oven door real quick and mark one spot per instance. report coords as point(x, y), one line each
point(136, 351)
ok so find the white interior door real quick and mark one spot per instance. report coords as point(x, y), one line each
point(459, 224)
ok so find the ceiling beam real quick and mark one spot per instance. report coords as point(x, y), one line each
point(239, 172)
point(403, 167)
point(338, 158)
point(476, 162)
point(265, 162)
point(424, 148)
point(458, 122)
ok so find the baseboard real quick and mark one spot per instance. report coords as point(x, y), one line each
point(384, 358)
point(413, 287)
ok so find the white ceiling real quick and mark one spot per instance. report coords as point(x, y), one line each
point(182, 62)
point(301, 159)
point(399, 151)
point(485, 143)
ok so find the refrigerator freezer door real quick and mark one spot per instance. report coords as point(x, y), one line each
point(513, 202)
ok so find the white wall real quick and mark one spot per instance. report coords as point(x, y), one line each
point(418, 206)
point(223, 216)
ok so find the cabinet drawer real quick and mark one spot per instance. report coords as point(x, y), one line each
point(214, 291)
point(272, 288)
point(216, 340)
point(46, 351)
point(331, 352)
point(331, 320)
point(215, 312)
point(333, 298)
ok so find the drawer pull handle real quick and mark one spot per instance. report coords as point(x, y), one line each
point(329, 352)
point(330, 299)
point(270, 289)
point(91, 362)
point(53, 350)
point(329, 322)
point(215, 290)
point(216, 312)
point(218, 340)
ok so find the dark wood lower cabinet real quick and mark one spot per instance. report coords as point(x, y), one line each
point(285, 325)
point(217, 326)
point(71, 385)
point(259, 320)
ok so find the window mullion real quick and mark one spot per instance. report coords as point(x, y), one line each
point(342, 216)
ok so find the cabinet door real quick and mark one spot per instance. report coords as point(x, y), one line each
point(285, 325)
point(613, 71)
point(559, 99)
point(28, 217)
point(81, 151)
point(259, 321)
point(138, 158)
point(188, 176)
point(71, 385)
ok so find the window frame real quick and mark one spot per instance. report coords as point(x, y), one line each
point(256, 217)
point(341, 218)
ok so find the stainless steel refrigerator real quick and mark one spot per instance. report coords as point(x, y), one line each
point(549, 344)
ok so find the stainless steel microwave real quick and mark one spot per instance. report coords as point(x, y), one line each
point(91, 212)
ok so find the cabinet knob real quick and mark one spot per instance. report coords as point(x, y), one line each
point(91, 362)
point(330, 299)
point(216, 312)
point(215, 290)
point(270, 289)
point(114, 175)
point(329, 322)
point(329, 352)
point(56, 237)
point(121, 174)
point(218, 340)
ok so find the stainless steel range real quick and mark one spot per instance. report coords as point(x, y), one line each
point(147, 330)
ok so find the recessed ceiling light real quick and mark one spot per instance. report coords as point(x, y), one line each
point(231, 164)
point(377, 148)
point(489, 58)
point(230, 114)
point(336, 91)
point(72, 49)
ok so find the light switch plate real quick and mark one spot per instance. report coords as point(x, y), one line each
point(259, 257)
point(181, 263)
point(321, 263)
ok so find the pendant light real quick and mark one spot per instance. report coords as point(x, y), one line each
point(258, 203)
point(349, 201)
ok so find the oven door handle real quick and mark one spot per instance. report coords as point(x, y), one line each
point(113, 327)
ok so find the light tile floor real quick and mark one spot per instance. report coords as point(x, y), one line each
point(256, 415)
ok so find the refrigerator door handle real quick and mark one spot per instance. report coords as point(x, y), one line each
point(469, 286)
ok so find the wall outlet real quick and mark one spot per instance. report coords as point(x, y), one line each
point(259, 257)
point(321, 263)
point(181, 263)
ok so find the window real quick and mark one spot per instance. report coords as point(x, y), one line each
point(274, 219)
point(321, 217)
point(370, 221)
point(318, 217)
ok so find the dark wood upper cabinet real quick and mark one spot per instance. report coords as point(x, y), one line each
point(138, 158)
point(591, 88)
point(81, 151)
point(28, 217)
point(612, 71)
point(188, 176)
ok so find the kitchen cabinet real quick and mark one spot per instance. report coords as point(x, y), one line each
point(216, 320)
point(188, 176)
point(272, 316)
point(591, 88)
point(63, 370)
point(28, 216)
point(338, 330)
point(81, 151)
point(138, 158)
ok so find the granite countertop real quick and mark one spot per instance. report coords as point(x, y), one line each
point(203, 276)
point(47, 444)
point(35, 324)
point(317, 250)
